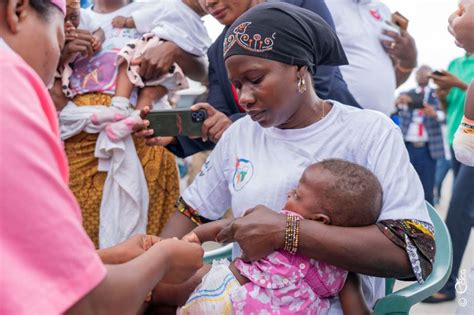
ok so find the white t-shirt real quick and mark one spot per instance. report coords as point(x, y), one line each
point(416, 130)
point(174, 21)
point(114, 37)
point(370, 75)
point(252, 165)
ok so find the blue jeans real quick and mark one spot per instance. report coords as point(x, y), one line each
point(425, 166)
point(442, 168)
point(460, 217)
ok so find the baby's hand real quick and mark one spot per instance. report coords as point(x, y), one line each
point(96, 43)
point(192, 238)
point(70, 31)
point(119, 22)
point(149, 240)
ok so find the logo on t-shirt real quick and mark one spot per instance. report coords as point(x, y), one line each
point(376, 14)
point(205, 167)
point(243, 173)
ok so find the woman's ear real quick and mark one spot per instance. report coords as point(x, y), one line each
point(301, 72)
point(321, 217)
point(16, 12)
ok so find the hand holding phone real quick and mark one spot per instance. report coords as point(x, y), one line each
point(216, 123)
point(177, 122)
point(437, 72)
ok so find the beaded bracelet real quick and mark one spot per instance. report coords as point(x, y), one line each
point(292, 233)
point(187, 211)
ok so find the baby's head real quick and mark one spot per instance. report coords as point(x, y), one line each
point(73, 12)
point(337, 192)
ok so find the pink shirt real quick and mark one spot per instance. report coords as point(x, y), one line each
point(47, 262)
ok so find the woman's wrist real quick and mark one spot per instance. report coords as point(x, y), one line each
point(279, 237)
point(460, 84)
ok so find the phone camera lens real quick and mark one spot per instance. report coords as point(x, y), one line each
point(198, 116)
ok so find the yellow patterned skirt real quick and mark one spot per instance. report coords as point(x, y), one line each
point(87, 183)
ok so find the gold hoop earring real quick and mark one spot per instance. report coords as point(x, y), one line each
point(301, 85)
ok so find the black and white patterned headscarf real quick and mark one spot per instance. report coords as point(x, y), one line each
point(284, 33)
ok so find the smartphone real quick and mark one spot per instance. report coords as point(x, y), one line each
point(177, 122)
point(436, 72)
point(400, 20)
point(416, 101)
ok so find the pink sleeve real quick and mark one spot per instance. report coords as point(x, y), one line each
point(48, 262)
point(325, 280)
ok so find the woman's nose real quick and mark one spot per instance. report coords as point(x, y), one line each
point(246, 97)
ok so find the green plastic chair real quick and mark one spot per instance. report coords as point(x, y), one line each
point(401, 301)
point(224, 252)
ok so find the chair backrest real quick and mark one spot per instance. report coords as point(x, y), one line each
point(401, 301)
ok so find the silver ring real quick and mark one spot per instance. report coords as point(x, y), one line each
point(392, 45)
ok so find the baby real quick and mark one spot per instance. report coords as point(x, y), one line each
point(333, 192)
point(151, 20)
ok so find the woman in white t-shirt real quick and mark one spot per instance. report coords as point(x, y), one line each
point(269, 52)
